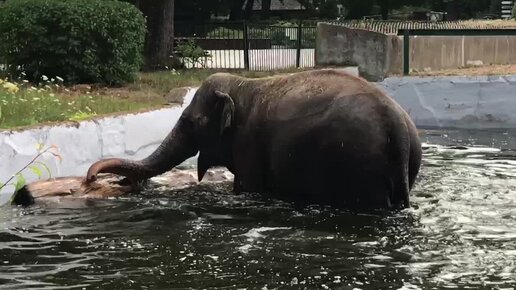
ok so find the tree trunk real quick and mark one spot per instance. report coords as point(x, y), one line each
point(384, 7)
point(495, 7)
point(266, 9)
point(452, 10)
point(248, 9)
point(236, 10)
point(160, 32)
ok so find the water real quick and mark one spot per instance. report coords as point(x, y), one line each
point(459, 233)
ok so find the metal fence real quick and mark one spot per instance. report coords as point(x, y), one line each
point(241, 45)
point(270, 46)
point(393, 26)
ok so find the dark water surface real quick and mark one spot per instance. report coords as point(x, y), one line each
point(459, 233)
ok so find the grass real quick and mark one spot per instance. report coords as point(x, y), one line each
point(503, 69)
point(36, 106)
point(23, 104)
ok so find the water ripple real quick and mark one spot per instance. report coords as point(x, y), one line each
point(459, 233)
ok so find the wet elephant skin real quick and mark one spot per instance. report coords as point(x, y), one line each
point(322, 136)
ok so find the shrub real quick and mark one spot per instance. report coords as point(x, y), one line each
point(192, 54)
point(87, 41)
point(278, 37)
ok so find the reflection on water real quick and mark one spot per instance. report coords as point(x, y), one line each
point(460, 232)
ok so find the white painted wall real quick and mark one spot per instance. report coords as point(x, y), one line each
point(469, 102)
point(460, 102)
point(131, 136)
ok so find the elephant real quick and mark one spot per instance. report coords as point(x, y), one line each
point(319, 136)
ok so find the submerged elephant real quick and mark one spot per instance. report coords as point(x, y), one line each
point(321, 136)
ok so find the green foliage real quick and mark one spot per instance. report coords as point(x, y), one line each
point(278, 37)
point(308, 38)
point(80, 116)
point(17, 180)
point(20, 181)
point(87, 41)
point(192, 54)
point(223, 32)
point(21, 104)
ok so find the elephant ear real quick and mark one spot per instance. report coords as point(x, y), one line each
point(228, 111)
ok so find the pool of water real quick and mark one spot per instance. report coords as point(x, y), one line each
point(459, 233)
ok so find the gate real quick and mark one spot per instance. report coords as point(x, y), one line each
point(239, 45)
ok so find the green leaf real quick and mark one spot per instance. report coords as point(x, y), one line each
point(46, 168)
point(20, 182)
point(36, 170)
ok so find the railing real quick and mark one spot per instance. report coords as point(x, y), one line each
point(393, 26)
point(252, 46)
point(406, 33)
point(272, 46)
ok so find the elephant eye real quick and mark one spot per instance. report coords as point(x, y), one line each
point(203, 120)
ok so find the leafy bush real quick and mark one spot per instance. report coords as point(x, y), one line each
point(192, 54)
point(278, 37)
point(224, 32)
point(88, 41)
point(308, 38)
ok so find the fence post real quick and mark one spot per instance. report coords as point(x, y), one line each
point(406, 52)
point(298, 43)
point(246, 46)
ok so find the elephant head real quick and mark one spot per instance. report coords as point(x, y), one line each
point(204, 127)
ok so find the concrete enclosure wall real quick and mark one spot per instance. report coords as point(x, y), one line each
point(131, 136)
point(377, 55)
point(463, 102)
point(432, 102)
point(448, 52)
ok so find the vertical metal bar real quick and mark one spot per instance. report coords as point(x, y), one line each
point(232, 51)
point(246, 47)
point(406, 52)
point(236, 52)
point(299, 33)
point(273, 51)
point(277, 53)
point(251, 46)
point(224, 61)
point(264, 50)
point(240, 59)
point(273, 57)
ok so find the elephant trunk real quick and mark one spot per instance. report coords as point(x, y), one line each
point(175, 148)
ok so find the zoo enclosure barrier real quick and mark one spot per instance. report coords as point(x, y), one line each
point(242, 45)
point(407, 33)
point(269, 46)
